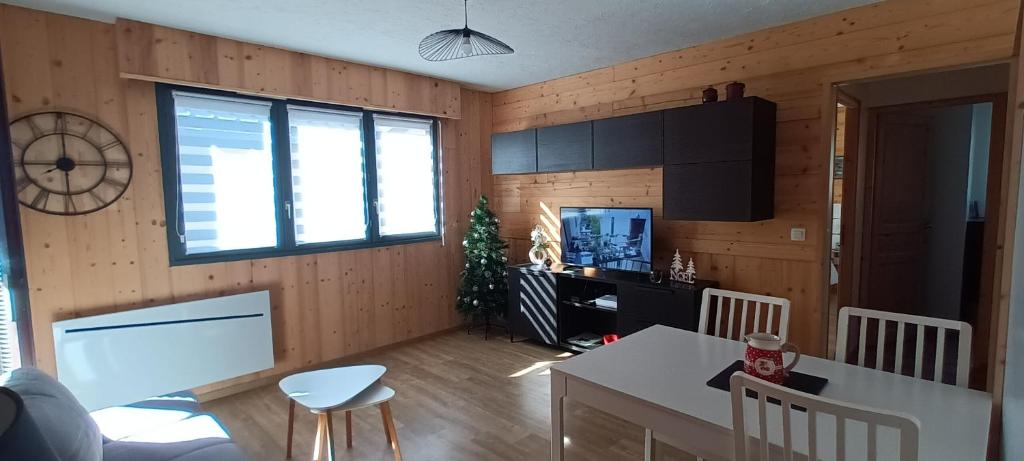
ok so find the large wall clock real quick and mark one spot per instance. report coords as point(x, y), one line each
point(67, 164)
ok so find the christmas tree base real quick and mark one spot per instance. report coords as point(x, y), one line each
point(485, 322)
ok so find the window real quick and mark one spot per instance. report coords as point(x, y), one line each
point(328, 190)
point(248, 177)
point(406, 187)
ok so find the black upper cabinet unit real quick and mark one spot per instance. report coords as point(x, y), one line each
point(720, 161)
point(514, 152)
point(565, 147)
point(630, 141)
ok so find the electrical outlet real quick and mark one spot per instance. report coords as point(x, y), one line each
point(798, 234)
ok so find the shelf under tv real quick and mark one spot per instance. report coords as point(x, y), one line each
point(589, 305)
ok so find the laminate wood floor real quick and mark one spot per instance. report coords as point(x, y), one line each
point(458, 398)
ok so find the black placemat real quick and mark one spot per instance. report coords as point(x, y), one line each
point(798, 381)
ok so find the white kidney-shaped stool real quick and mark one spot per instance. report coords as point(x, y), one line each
point(335, 390)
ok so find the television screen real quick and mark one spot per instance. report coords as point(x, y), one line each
point(609, 238)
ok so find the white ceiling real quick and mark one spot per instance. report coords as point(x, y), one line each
point(552, 38)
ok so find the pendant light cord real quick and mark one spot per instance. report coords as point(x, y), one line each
point(465, 9)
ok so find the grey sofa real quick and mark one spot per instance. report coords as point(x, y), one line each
point(166, 428)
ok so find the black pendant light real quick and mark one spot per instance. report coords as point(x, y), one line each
point(461, 43)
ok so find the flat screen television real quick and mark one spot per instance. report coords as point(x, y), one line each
point(608, 238)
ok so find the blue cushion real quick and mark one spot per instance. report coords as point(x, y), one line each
point(63, 421)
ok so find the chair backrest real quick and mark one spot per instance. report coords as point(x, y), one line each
point(749, 448)
point(746, 311)
point(918, 326)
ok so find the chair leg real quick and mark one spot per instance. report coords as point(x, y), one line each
point(348, 429)
point(649, 441)
point(291, 427)
point(386, 408)
point(330, 437)
point(384, 419)
point(318, 442)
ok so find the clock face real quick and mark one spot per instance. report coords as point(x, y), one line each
point(66, 164)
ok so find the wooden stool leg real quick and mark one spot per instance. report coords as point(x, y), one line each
point(291, 426)
point(318, 442)
point(330, 437)
point(386, 408)
point(384, 419)
point(348, 429)
point(649, 445)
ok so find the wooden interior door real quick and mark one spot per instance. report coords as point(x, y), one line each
point(893, 257)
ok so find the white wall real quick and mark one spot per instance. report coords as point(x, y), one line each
point(1013, 380)
point(948, 165)
point(981, 135)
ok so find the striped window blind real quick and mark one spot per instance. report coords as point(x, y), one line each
point(406, 192)
point(327, 166)
point(226, 173)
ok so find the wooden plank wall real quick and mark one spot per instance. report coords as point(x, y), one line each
point(793, 65)
point(325, 306)
point(151, 52)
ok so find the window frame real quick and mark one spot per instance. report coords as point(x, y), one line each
point(282, 165)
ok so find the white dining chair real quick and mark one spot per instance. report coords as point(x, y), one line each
point(905, 323)
point(817, 409)
point(734, 309)
point(751, 313)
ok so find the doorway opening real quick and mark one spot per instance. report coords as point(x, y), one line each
point(917, 167)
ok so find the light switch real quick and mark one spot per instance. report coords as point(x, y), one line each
point(798, 234)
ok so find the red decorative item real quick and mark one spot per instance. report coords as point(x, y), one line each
point(734, 91)
point(608, 339)
point(763, 357)
point(710, 94)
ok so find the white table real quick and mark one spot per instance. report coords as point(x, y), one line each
point(339, 389)
point(657, 379)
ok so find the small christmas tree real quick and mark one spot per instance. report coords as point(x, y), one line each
point(690, 276)
point(484, 289)
point(675, 272)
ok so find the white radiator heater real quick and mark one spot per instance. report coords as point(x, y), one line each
point(125, 357)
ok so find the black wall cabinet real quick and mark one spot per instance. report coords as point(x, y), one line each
point(720, 161)
point(514, 152)
point(719, 158)
point(565, 147)
point(630, 141)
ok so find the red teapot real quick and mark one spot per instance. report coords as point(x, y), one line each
point(763, 357)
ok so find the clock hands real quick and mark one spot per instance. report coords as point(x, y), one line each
point(63, 124)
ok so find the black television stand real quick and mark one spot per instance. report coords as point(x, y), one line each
point(553, 305)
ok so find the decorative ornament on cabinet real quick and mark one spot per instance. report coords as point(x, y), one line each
point(734, 91)
point(710, 94)
point(541, 243)
point(676, 270)
point(690, 276)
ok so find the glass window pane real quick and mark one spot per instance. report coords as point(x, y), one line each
point(406, 195)
point(226, 172)
point(328, 189)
